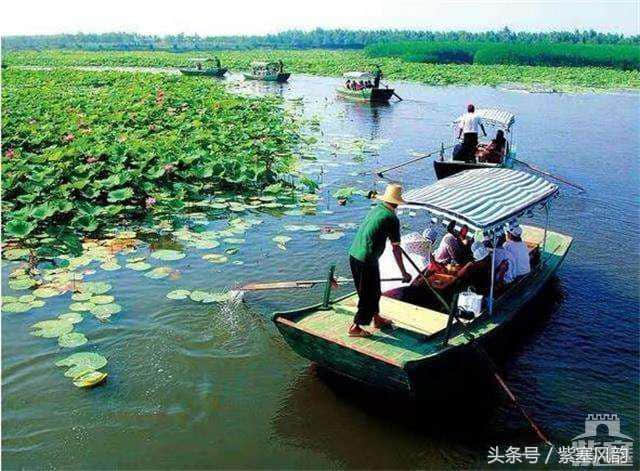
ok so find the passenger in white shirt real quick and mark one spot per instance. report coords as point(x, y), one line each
point(468, 127)
point(518, 249)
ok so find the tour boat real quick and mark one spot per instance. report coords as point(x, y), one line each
point(204, 71)
point(493, 120)
point(374, 95)
point(268, 71)
point(431, 340)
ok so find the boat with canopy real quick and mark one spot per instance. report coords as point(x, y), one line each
point(268, 71)
point(493, 119)
point(202, 69)
point(374, 95)
point(431, 334)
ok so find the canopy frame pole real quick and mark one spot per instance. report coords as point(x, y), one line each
point(546, 227)
point(493, 269)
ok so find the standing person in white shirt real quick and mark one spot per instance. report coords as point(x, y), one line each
point(468, 131)
point(518, 249)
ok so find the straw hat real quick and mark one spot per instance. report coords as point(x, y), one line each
point(479, 251)
point(392, 194)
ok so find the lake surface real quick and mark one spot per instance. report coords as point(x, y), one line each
point(199, 385)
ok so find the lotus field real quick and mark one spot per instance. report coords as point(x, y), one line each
point(334, 63)
point(83, 152)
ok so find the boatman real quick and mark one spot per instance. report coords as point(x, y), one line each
point(469, 124)
point(377, 76)
point(368, 245)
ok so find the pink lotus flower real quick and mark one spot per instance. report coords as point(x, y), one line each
point(150, 201)
point(68, 138)
point(91, 160)
point(10, 154)
point(168, 168)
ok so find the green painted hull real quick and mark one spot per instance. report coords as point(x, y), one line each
point(373, 95)
point(404, 360)
point(204, 72)
point(282, 77)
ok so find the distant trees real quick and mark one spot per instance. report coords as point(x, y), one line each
point(297, 39)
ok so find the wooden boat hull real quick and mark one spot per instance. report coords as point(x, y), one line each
point(446, 168)
point(281, 77)
point(408, 359)
point(373, 95)
point(204, 72)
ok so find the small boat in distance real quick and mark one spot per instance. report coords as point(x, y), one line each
point(371, 94)
point(498, 120)
point(200, 69)
point(267, 71)
point(432, 338)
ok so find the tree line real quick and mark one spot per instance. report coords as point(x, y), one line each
point(297, 39)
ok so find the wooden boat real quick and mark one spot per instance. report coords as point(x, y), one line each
point(373, 95)
point(267, 71)
point(202, 70)
point(428, 339)
point(498, 119)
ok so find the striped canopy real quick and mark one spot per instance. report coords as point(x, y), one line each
point(483, 198)
point(495, 117)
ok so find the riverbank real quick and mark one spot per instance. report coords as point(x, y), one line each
point(335, 63)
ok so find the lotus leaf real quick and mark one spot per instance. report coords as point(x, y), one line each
point(168, 254)
point(136, 259)
point(36, 303)
point(206, 244)
point(12, 299)
point(102, 299)
point(178, 294)
point(267, 199)
point(16, 307)
point(294, 212)
point(110, 266)
point(292, 227)
point(104, 311)
point(159, 272)
point(215, 258)
point(218, 205)
point(85, 306)
point(281, 239)
point(46, 292)
point(231, 251)
point(215, 298)
point(331, 235)
point(271, 205)
point(72, 339)
point(90, 379)
point(121, 194)
point(15, 254)
point(139, 266)
point(18, 228)
point(51, 328)
point(282, 246)
point(22, 283)
point(95, 287)
point(231, 240)
point(79, 296)
point(72, 317)
point(198, 295)
point(26, 298)
point(91, 360)
point(311, 228)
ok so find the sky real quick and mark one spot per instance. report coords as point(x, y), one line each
point(228, 17)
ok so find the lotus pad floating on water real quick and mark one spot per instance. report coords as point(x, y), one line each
point(159, 272)
point(231, 251)
point(72, 339)
point(139, 266)
point(21, 283)
point(102, 299)
point(231, 240)
point(72, 317)
point(178, 294)
point(81, 296)
point(332, 235)
point(16, 307)
point(206, 244)
point(168, 255)
point(95, 287)
point(110, 266)
point(46, 292)
point(82, 363)
point(215, 258)
point(10, 299)
point(51, 328)
point(15, 254)
point(104, 311)
point(84, 306)
point(26, 298)
point(90, 379)
point(216, 298)
point(198, 295)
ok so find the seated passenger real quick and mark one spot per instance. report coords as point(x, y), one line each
point(477, 273)
point(450, 250)
point(493, 152)
point(348, 84)
point(518, 249)
point(368, 84)
point(505, 261)
point(465, 243)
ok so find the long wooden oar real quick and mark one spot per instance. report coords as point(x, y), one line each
point(397, 96)
point(381, 171)
point(300, 284)
point(536, 169)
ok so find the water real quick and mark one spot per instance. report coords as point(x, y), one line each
point(196, 386)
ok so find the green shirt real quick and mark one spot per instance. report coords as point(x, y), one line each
point(380, 224)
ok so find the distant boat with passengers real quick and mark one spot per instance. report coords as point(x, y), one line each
point(364, 86)
point(267, 71)
point(435, 330)
point(203, 67)
point(499, 154)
